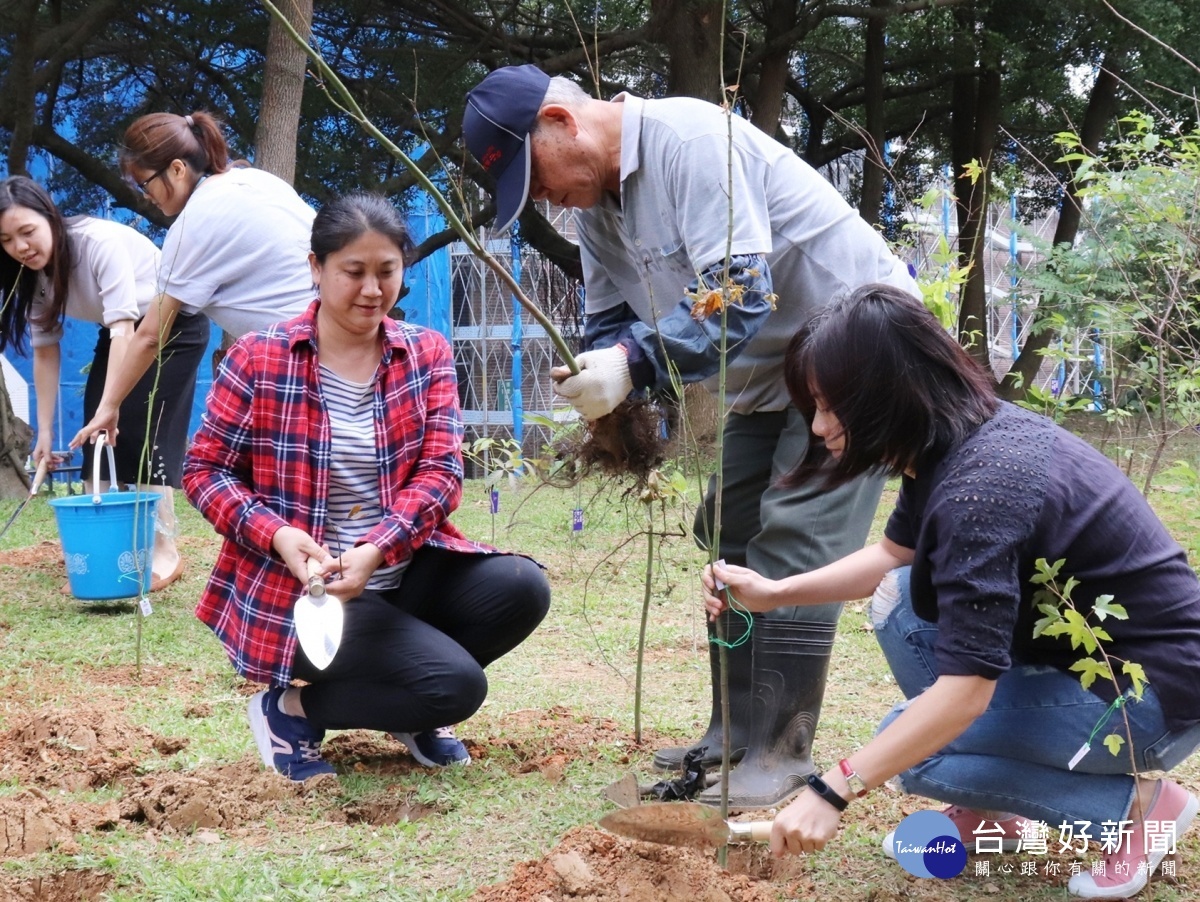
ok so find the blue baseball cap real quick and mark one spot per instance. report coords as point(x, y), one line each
point(501, 111)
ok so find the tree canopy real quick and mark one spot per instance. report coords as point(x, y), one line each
point(946, 81)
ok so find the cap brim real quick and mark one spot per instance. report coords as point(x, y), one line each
point(512, 190)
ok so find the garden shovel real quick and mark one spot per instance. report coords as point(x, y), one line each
point(318, 616)
point(687, 824)
point(43, 467)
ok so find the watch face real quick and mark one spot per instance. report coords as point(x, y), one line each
point(853, 780)
point(856, 784)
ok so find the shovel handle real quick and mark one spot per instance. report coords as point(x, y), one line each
point(38, 477)
point(752, 831)
point(760, 831)
point(316, 582)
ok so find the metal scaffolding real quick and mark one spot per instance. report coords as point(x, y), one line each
point(503, 356)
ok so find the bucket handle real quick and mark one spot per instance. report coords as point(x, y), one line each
point(102, 442)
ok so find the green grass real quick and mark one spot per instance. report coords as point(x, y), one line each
point(556, 728)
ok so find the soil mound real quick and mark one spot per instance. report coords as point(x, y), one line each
point(592, 866)
point(222, 797)
point(64, 886)
point(76, 750)
point(33, 822)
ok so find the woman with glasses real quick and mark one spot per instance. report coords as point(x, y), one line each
point(237, 251)
point(101, 272)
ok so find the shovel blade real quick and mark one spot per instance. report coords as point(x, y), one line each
point(319, 627)
point(687, 824)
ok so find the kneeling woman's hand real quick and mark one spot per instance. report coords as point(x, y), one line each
point(346, 576)
point(806, 825)
point(748, 589)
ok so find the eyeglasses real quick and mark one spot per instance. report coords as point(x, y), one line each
point(141, 186)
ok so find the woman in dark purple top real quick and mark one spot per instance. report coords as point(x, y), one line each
point(995, 722)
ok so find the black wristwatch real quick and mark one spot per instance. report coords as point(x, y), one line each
point(823, 789)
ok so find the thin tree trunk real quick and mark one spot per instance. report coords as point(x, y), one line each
point(691, 32)
point(278, 127)
point(20, 90)
point(767, 106)
point(874, 166)
point(973, 302)
point(1101, 108)
point(283, 90)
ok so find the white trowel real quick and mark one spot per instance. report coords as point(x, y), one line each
point(318, 616)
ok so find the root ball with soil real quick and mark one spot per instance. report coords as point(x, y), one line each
point(627, 442)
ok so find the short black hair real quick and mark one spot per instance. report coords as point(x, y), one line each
point(344, 219)
point(897, 381)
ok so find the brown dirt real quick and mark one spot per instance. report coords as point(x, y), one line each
point(94, 747)
point(546, 740)
point(63, 886)
point(220, 797)
point(45, 556)
point(592, 866)
point(32, 822)
point(81, 749)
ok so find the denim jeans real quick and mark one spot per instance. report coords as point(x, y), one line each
point(1014, 756)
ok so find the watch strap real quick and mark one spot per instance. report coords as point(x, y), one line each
point(825, 791)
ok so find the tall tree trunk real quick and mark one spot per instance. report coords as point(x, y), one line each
point(874, 166)
point(972, 311)
point(1101, 108)
point(18, 85)
point(775, 70)
point(16, 441)
point(691, 32)
point(15, 436)
point(283, 89)
point(975, 118)
point(278, 126)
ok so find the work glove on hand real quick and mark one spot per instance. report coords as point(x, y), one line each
point(603, 382)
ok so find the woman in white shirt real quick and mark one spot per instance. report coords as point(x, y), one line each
point(236, 252)
point(102, 272)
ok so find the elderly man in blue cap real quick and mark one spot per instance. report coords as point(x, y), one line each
point(678, 197)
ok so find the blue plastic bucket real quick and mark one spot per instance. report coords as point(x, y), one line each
point(107, 539)
point(107, 546)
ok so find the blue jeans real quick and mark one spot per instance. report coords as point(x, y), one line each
point(1014, 756)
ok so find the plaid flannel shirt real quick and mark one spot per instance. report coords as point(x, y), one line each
point(260, 461)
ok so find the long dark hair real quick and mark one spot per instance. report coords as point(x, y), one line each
point(18, 285)
point(154, 140)
point(344, 219)
point(899, 384)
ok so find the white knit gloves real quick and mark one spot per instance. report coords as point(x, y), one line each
point(603, 382)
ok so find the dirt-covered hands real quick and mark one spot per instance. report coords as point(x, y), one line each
point(603, 382)
point(749, 589)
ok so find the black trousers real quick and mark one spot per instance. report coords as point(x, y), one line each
point(156, 414)
point(412, 659)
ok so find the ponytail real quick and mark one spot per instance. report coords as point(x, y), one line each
point(154, 140)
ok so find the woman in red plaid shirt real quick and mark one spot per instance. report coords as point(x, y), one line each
point(337, 436)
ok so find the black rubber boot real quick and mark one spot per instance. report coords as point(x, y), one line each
point(791, 659)
point(741, 691)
